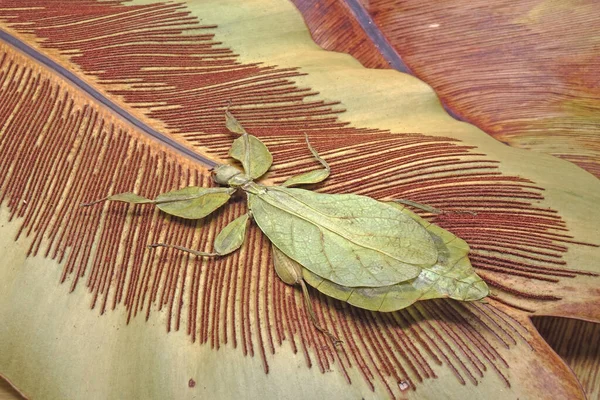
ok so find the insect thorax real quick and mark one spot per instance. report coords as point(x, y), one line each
point(228, 175)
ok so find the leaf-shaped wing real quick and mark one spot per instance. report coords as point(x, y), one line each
point(259, 160)
point(452, 276)
point(193, 202)
point(348, 239)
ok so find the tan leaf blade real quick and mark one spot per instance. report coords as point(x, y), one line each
point(528, 79)
point(176, 67)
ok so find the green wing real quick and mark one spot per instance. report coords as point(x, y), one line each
point(452, 276)
point(347, 239)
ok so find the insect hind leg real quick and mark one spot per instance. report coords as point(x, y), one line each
point(185, 249)
point(429, 209)
point(313, 317)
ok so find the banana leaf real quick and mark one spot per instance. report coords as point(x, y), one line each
point(106, 97)
point(526, 73)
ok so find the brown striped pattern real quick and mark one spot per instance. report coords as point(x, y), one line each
point(69, 151)
point(578, 343)
point(525, 73)
point(333, 26)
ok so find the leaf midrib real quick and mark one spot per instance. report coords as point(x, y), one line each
point(102, 99)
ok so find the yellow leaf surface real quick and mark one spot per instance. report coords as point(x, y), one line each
point(129, 97)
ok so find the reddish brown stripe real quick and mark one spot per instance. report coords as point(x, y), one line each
point(223, 302)
point(577, 343)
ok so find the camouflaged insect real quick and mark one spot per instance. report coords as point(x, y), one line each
point(375, 255)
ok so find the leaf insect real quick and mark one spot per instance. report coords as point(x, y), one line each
point(376, 255)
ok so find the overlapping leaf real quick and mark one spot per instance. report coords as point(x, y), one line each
point(260, 158)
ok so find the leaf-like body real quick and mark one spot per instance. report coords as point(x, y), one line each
point(232, 236)
point(451, 276)
point(193, 202)
point(260, 159)
point(348, 239)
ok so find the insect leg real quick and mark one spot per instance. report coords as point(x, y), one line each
point(290, 272)
point(227, 241)
point(181, 248)
point(313, 317)
point(310, 177)
point(429, 209)
point(420, 206)
point(126, 197)
point(234, 126)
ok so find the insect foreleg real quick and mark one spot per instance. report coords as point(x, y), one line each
point(310, 177)
point(227, 241)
